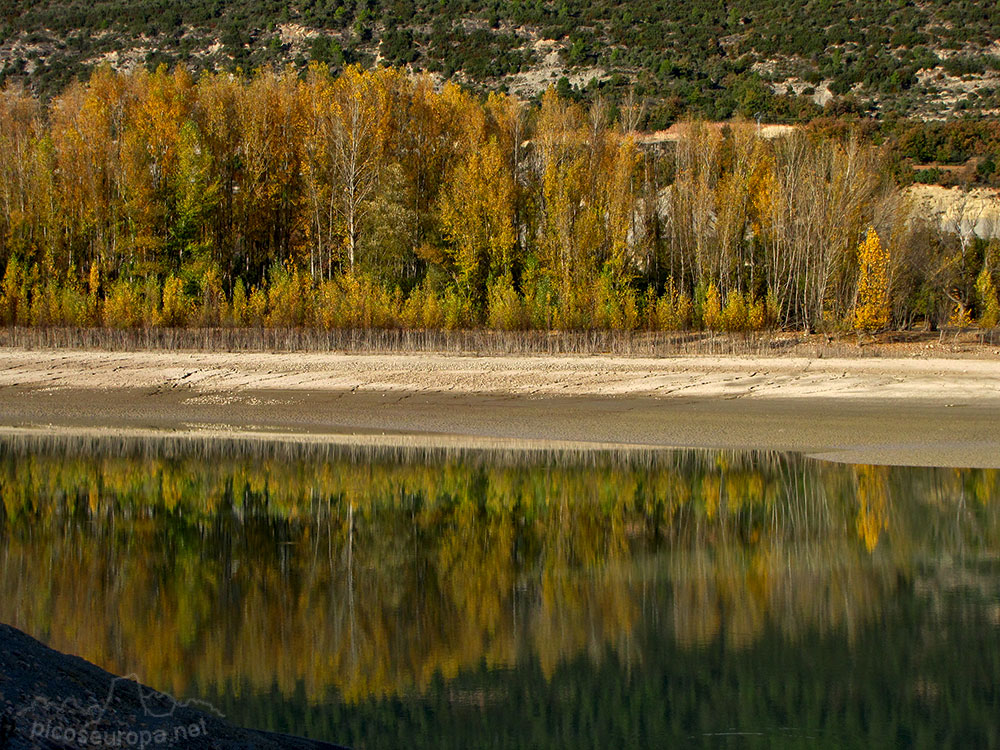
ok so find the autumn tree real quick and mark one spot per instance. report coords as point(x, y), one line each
point(989, 305)
point(872, 309)
point(25, 174)
point(357, 135)
point(216, 116)
point(477, 212)
point(267, 194)
point(87, 128)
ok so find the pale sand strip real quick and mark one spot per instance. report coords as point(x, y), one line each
point(895, 411)
point(729, 377)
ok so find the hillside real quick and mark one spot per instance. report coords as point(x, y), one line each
point(785, 61)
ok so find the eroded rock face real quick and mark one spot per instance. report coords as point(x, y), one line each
point(52, 700)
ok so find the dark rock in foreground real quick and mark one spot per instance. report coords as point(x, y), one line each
point(51, 700)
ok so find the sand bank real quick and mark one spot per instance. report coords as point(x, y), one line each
point(898, 411)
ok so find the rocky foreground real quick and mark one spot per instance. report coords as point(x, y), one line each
point(53, 700)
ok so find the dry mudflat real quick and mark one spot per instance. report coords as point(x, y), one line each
point(918, 411)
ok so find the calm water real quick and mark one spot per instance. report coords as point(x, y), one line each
point(397, 600)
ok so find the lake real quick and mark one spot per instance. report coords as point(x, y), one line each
point(386, 598)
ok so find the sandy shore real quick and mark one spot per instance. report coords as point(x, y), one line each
point(899, 411)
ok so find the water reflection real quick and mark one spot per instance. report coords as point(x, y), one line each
point(269, 574)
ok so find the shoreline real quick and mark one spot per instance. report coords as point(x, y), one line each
point(920, 412)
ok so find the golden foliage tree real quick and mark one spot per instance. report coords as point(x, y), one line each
point(989, 305)
point(872, 309)
point(477, 214)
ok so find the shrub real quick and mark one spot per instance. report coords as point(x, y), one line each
point(772, 310)
point(174, 312)
point(422, 309)
point(505, 309)
point(711, 315)
point(756, 314)
point(539, 298)
point(456, 309)
point(122, 305)
point(240, 315)
point(14, 294)
point(989, 305)
point(355, 300)
point(288, 296)
point(45, 305)
point(673, 309)
point(75, 306)
point(214, 309)
point(256, 311)
point(735, 317)
point(151, 298)
point(613, 306)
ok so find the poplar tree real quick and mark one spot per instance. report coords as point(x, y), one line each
point(872, 309)
point(477, 215)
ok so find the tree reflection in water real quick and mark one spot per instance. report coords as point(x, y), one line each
point(305, 572)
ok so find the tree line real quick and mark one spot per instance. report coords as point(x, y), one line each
point(377, 199)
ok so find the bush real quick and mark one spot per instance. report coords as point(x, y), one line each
point(288, 298)
point(711, 312)
point(123, 305)
point(45, 305)
point(989, 305)
point(214, 309)
point(614, 306)
point(355, 300)
point(735, 316)
point(174, 312)
point(423, 309)
point(240, 309)
point(456, 309)
point(505, 309)
point(539, 298)
point(14, 294)
point(673, 309)
point(256, 310)
point(75, 306)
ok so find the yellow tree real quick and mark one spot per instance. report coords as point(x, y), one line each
point(20, 128)
point(317, 169)
point(872, 308)
point(477, 214)
point(620, 213)
point(989, 305)
point(873, 504)
point(440, 129)
point(86, 127)
point(357, 143)
point(269, 150)
point(216, 114)
point(564, 179)
point(149, 155)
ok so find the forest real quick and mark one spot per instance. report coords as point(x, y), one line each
point(377, 199)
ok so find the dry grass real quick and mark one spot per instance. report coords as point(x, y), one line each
point(974, 343)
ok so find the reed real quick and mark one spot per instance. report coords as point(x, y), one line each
point(484, 342)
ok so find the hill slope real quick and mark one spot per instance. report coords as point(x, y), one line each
point(782, 59)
